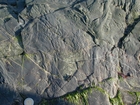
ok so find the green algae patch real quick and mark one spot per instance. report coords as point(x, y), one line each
point(117, 100)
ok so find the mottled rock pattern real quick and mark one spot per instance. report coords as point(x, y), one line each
point(50, 49)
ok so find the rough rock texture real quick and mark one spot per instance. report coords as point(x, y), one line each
point(48, 49)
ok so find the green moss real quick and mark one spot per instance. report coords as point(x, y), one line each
point(73, 98)
point(79, 97)
point(131, 93)
point(111, 79)
point(138, 97)
point(117, 100)
point(137, 94)
point(100, 89)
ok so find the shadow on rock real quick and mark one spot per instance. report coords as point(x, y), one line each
point(9, 96)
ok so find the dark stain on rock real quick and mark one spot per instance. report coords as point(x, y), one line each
point(123, 75)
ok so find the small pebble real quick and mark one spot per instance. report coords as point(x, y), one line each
point(28, 101)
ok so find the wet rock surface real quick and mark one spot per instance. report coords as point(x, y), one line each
point(50, 49)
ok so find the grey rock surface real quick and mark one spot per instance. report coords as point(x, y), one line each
point(48, 49)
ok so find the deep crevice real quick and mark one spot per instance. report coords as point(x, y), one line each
point(127, 31)
point(20, 42)
point(77, 2)
point(92, 36)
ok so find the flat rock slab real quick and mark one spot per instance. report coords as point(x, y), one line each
point(50, 49)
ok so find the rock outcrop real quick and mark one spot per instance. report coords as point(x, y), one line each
point(70, 52)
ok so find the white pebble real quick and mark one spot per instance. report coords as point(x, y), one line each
point(28, 101)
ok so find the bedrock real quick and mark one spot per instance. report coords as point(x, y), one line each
point(53, 50)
